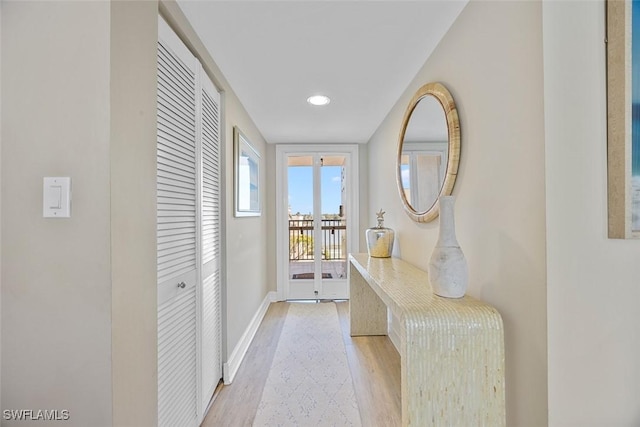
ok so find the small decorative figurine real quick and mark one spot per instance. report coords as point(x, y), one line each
point(380, 238)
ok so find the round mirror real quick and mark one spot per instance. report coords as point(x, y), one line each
point(428, 151)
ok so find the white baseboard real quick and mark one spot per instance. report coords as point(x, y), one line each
point(278, 295)
point(230, 368)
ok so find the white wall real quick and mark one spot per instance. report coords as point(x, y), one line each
point(491, 60)
point(133, 182)
point(593, 286)
point(0, 207)
point(247, 277)
point(56, 288)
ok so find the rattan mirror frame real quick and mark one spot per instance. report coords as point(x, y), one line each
point(442, 94)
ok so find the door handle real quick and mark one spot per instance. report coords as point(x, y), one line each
point(182, 285)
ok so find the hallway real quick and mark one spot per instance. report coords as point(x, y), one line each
point(373, 361)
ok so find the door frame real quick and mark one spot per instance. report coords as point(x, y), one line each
point(282, 205)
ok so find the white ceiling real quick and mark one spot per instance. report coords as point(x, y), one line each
point(362, 54)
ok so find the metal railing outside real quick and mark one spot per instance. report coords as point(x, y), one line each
point(301, 239)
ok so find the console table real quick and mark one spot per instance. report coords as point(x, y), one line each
point(451, 352)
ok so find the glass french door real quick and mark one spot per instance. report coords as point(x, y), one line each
point(317, 224)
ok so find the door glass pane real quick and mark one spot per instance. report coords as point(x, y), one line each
point(301, 233)
point(334, 226)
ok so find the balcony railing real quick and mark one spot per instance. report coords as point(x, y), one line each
point(301, 239)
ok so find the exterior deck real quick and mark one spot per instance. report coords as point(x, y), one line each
point(302, 249)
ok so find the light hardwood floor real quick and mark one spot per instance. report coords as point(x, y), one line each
point(374, 364)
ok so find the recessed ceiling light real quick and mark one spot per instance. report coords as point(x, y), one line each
point(318, 100)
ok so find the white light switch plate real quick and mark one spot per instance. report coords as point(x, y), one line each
point(56, 197)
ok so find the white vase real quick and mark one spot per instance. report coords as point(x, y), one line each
point(448, 271)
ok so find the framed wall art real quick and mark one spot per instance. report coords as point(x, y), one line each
point(246, 176)
point(623, 118)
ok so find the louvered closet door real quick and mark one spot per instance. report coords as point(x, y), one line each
point(177, 232)
point(211, 292)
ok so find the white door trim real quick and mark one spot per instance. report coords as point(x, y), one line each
point(282, 205)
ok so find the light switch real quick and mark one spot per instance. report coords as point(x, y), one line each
point(56, 197)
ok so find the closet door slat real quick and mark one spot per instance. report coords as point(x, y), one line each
point(177, 231)
point(210, 208)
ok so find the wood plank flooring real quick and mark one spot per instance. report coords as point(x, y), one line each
point(374, 364)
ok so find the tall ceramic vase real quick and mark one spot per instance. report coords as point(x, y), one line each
point(448, 271)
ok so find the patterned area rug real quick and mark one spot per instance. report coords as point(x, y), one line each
point(309, 383)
